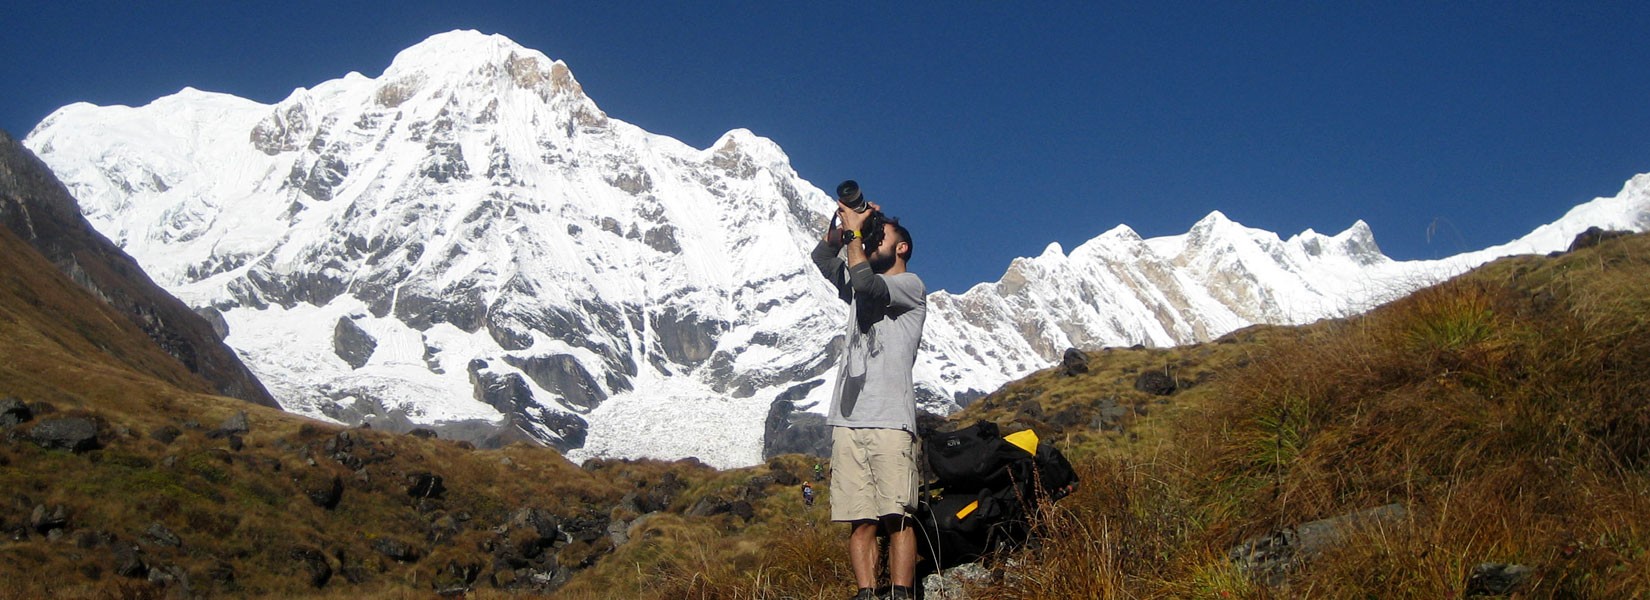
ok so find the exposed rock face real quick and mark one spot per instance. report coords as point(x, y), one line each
point(352, 343)
point(36, 206)
point(788, 430)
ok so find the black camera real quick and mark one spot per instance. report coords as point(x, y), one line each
point(849, 195)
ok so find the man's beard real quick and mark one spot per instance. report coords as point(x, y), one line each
point(880, 263)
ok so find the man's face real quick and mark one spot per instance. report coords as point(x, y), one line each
point(884, 257)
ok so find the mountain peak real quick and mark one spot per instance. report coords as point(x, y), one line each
point(463, 48)
point(467, 54)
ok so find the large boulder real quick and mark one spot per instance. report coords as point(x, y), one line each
point(1156, 383)
point(1074, 362)
point(75, 434)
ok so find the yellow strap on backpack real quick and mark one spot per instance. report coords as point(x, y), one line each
point(967, 510)
point(1025, 440)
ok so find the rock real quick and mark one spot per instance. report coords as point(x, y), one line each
point(395, 549)
point(1074, 363)
point(953, 584)
point(588, 527)
point(785, 478)
point(561, 375)
point(458, 574)
point(1030, 409)
point(661, 495)
point(128, 562)
point(423, 433)
point(1272, 556)
point(618, 532)
point(45, 520)
point(1593, 237)
point(165, 434)
point(791, 431)
point(1497, 579)
point(442, 528)
point(1156, 383)
point(75, 434)
point(425, 485)
point(709, 506)
point(236, 443)
point(352, 344)
point(323, 491)
point(160, 535)
point(314, 564)
point(170, 575)
point(1068, 417)
point(13, 412)
point(235, 424)
point(742, 509)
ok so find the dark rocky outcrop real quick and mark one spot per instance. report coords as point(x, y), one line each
point(352, 343)
point(1156, 383)
point(686, 338)
point(395, 549)
point(1594, 236)
point(38, 208)
point(75, 434)
point(789, 431)
point(510, 394)
point(1074, 362)
point(561, 374)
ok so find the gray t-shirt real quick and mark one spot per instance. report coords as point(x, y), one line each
point(873, 386)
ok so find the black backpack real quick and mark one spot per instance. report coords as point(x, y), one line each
point(988, 488)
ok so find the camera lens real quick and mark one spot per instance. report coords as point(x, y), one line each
point(847, 193)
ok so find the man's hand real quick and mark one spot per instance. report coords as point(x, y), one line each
point(853, 219)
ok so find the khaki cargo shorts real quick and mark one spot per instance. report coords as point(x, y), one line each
point(873, 473)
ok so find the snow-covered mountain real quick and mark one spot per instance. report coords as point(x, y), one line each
point(468, 242)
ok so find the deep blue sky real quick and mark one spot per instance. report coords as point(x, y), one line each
point(995, 128)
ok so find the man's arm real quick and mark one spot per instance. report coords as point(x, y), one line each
point(825, 258)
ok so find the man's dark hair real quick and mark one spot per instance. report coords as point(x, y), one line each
point(904, 235)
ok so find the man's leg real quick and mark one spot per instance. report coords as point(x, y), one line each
point(862, 553)
point(902, 550)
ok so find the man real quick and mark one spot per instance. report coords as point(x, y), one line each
point(873, 407)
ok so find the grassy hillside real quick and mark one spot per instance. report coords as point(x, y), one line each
point(1506, 411)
